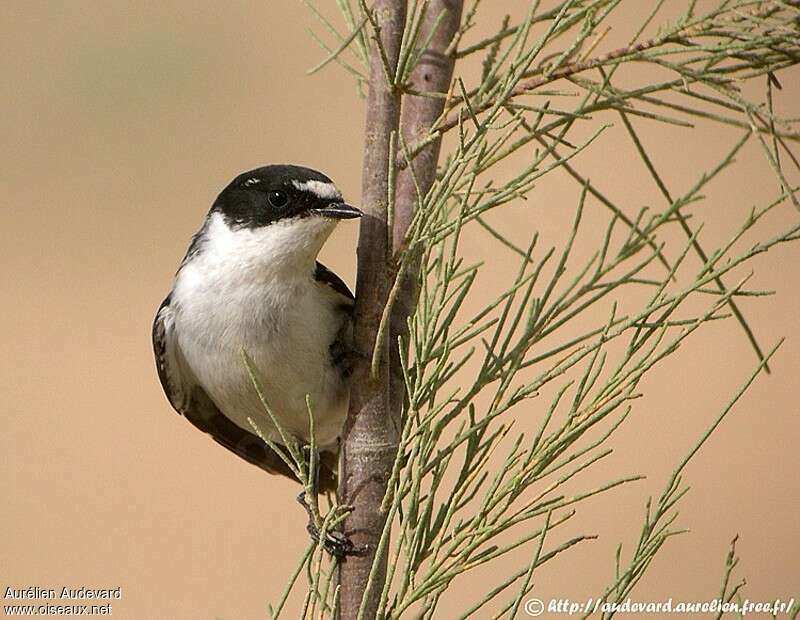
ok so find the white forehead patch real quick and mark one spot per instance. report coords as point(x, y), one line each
point(326, 191)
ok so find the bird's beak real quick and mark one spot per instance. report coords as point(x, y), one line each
point(339, 211)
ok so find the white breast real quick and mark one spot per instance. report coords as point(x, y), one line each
point(254, 289)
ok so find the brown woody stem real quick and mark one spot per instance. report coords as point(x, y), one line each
point(372, 430)
point(370, 438)
point(433, 73)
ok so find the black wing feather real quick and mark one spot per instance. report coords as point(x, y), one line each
point(342, 354)
point(326, 276)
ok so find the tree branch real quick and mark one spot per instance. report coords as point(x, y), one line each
point(542, 77)
point(371, 433)
point(433, 73)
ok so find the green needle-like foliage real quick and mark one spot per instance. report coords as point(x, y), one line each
point(467, 489)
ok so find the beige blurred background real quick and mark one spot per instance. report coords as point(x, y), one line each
point(120, 121)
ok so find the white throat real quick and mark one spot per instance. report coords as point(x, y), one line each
point(280, 249)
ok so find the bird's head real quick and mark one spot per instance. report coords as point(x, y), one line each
point(280, 194)
point(287, 210)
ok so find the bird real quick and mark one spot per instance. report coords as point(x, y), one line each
point(250, 282)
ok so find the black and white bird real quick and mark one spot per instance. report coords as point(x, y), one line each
point(250, 281)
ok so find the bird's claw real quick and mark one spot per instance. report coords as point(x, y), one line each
point(335, 543)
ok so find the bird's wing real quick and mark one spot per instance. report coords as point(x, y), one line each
point(326, 276)
point(190, 400)
point(341, 348)
point(174, 379)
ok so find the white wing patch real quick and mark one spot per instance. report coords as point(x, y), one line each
point(326, 191)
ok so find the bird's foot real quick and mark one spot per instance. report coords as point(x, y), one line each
point(335, 543)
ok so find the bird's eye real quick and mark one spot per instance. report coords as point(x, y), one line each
point(278, 198)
